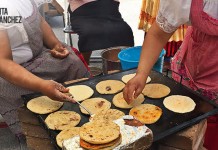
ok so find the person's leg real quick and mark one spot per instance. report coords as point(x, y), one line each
point(87, 56)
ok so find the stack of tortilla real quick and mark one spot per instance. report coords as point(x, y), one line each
point(100, 135)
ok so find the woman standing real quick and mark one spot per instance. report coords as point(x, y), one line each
point(197, 59)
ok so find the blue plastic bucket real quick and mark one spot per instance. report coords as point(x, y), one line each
point(129, 58)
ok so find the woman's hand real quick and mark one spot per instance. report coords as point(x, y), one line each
point(59, 51)
point(134, 87)
point(55, 91)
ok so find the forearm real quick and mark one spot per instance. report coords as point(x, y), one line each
point(152, 46)
point(19, 76)
point(49, 38)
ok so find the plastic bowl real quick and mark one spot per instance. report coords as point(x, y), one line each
point(129, 58)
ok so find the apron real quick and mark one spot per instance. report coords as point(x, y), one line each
point(99, 25)
point(197, 62)
point(42, 65)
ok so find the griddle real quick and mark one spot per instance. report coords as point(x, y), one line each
point(169, 122)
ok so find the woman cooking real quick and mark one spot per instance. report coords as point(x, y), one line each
point(197, 59)
point(32, 59)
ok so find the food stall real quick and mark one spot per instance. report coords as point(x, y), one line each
point(169, 124)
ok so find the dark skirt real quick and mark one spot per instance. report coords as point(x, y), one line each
point(99, 25)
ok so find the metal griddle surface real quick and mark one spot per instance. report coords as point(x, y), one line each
point(169, 122)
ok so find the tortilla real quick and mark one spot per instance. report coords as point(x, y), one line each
point(119, 101)
point(127, 77)
point(62, 120)
point(67, 134)
point(94, 105)
point(179, 104)
point(146, 113)
point(107, 146)
point(109, 115)
point(109, 86)
point(43, 105)
point(155, 90)
point(100, 132)
point(80, 92)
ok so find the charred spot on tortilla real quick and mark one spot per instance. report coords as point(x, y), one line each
point(108, 88)
point(101, 103)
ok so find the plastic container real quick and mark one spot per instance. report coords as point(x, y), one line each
point(129, 58)
point(110, 60)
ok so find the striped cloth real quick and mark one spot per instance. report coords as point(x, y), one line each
point(148, 13)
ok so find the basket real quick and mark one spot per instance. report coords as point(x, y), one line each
point(129, 58)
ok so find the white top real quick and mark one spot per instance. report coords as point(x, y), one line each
point(19, 42)
point(74, 4)
point(173, 13)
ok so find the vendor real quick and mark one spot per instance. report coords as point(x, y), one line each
point(197, 58)
point(99, 25)
point(32, 59)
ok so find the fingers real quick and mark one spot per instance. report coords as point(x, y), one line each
point(63, 96)
point(68, 98)
point(128, 93)
point(60, 87)
point(60, 48)
point(137, 92)
point(61, 55)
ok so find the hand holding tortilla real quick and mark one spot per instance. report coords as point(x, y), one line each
point(119, 101)
point(134, 87)
point(127, 77)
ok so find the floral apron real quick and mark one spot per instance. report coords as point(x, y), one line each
point(197, 62)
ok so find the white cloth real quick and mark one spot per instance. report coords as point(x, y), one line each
point(173, 13)
point(18, 38)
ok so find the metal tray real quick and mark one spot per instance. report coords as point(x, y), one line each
point(169, 122)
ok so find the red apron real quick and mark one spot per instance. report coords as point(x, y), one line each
point(197, 62)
